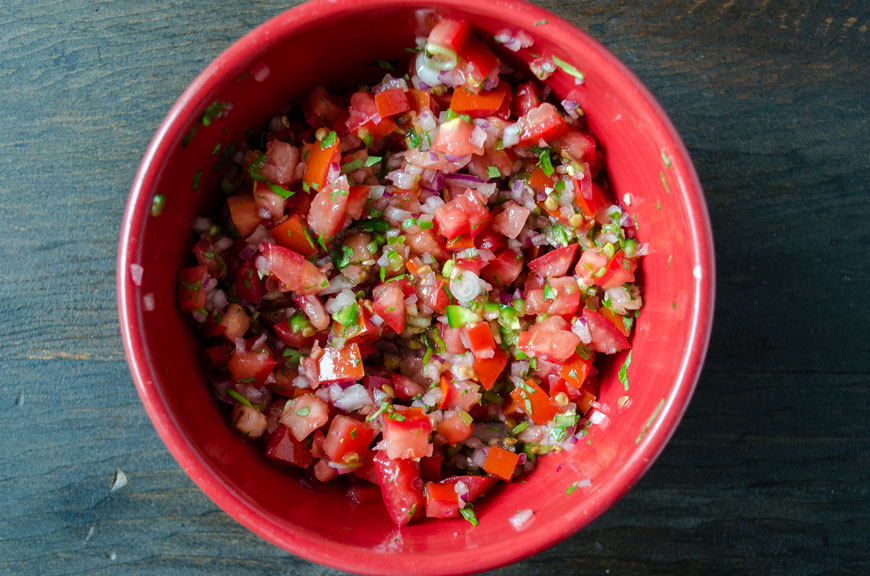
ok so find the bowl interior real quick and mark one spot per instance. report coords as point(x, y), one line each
point(646, 163)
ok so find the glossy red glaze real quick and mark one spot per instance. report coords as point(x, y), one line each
point(670, 339)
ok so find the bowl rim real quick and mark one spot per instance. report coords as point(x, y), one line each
point(295, 539)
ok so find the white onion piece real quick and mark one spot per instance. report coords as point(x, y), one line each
point(342, 300)
point(262, 266)
point(426, 74)
point(427, 120)
point(597, 417)
point(582, 330)
point(148, 301)
point(354, 398)
point(396, 215)
point(478, 137)
point(376, 192)
point(467, 287)
point(377, 320)
point(521, 518)
point(223, 244)
point(511, 135)
point(201, 225)
point(136, 273)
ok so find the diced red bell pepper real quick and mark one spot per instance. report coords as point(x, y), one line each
point(606, 338)
point(616, 319)
point(419, 100)
point(534, 402)
point(480, 337)
point(540, 182)
point(525, 97)
point(479, 105)
point(450, 34)
point(401, 488)
point(589, 196)
point(479, 61)
point(500, 462)
point(293, 234)
point(489, 369)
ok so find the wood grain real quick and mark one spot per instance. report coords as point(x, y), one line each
point(768, 471)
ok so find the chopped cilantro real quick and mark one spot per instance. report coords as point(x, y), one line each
point(545, 162)
point(665, 183)
point(386, 64)
point(540, 22)
point(666, 160)
point(239, 398)
point(196, 178)
point(280, 190)
point(468, 513)
point(373, 225)
point(569, 69)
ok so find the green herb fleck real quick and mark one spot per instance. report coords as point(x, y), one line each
point(546, 163)
point(493, 172)
point(329, 140)
point(374, 225)
point(665, 183)
point(303, 412)
point(568, 69)
point(239, 398)
point(669, 260)
point(540, 22)
point(216, 149)
point(623, 371)
point(650, 421)
point(571, 488)
point(196, 178)
point(468, 513)
point(280, 190)
point(667, 160)
point(157, 204)
point(386, 64)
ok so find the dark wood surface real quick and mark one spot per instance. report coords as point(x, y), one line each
point(769, 473)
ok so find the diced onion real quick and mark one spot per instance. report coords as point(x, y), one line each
point(467, 287)
point(521, 518)
point(136, 273)
point(354, 398)
point(148, 301)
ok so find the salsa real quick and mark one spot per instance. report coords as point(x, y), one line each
point(408, 285)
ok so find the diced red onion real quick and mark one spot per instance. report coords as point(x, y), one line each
point(198, 316)
point(136, 273)
point(427, 120)
point(597, 417)
point(258, 343)
point(262, 266)
point(462, 179)
point(148, 302)
point(337, 283)
point(580, 328)
point(522, 459)
point(240, 345)
point(511, 136)
point(478, 457)
point(396, 215)
point(223, 244)
point(247, 252)
point(201, 225)
point(342, 300)
point(521, 518)
point(354, 398)
point(376, 320)
point(461, 489)
point(390, 83)
point(513, 41)
point(478, 137)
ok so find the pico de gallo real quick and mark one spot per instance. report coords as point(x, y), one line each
point(408, 285)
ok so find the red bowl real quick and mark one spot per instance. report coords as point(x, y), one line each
point(334, 42)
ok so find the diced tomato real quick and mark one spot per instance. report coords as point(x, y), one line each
point(589, 197)
point(525, 97)
point(595, 268)
point(283, 447)
point(552, 345)
point(356, 200)
point(477, 485)
point(207, 254)
point(389, 304)
point(479, 61)
point(244, 213)
point(218, 355)
point(575, 371)
point(480, 337)
point(292, 339)
point(536, 303)
point(448, 392)
point(284, 375)
point(406, 388)
point(295, 272)
point(329, 210)
point(567, 296)
point(364, 119)
point(406, 433)
point(191, 296)
point(248, 283)
point(550, 323)
point(252, 366)
point(321, 108)
point(470, 264)
point(500, 462)
point(452, 220)
point(367, 471)
point(489, 369)
point(426, 242)
point(534, 402)
point(317, 164)
point(541, 123)
point(511, 220)
point(452, 338)
point(401, 488)
point(456, 427)
point(341, 364)
point(430, 467)
point(235, 321)
point(323, 471)
point(475, 208)
point(434, 296)
point(348, 440)
point(554, 263)
point(454, 137)
point(211, 327)
point(293, 235)
point(479, 105)
point(305, 414)
point(606, 338)
point(391, 102)
point(578, 145)
point(504, 270)
point(266, 199)
point(450, 34)
point(490, 239)
point(460, 243)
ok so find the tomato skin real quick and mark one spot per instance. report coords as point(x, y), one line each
point(401, 488)
point(541, 123)
point(490, 239)
point(283, 447)
point(504, 270)
point(348, 440)
point(479, 61)
point(489, 369)
point(252, 366)
point(406, 388)
point(364, 118)
point(207, 254)
point(389, 304)
point(442, 501)
point(391, 102)
point(555, 262)
point(191, 296)
point(329, 209)
point(471, 265)
point(616, 320)
point(526, 96)
point(292, 270)
point(293, 235)
point(248, 283)
point(575, 371)
point(406, 433)
point(356, 200)
point(552, 345)
point(450, 34)
point(292, 339)
point(606, 338)
point(340, 364)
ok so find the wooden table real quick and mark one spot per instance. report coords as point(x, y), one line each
point(769, 473)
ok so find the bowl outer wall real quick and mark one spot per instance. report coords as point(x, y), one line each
point(345, 555)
